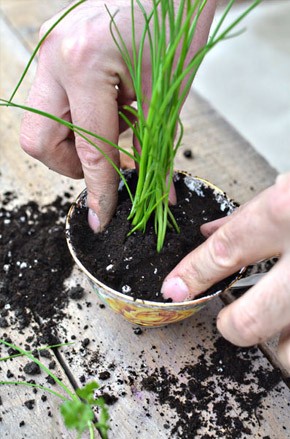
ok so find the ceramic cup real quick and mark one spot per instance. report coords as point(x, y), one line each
point(143, 312)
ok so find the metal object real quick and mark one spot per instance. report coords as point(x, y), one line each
point(248, 281)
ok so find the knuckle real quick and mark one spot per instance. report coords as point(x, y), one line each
point(43, 29)
point(52, 36)
point(29, 145)
point(247, 325)
point(88, 155)
point(223, 250)
point(49, 45)
point(193, 274)
point(79, 48)
point(91, 156)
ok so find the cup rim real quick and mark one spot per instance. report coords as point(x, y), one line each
point(166, 305)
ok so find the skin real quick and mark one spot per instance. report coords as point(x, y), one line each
point(257, 230)
point(78, 71)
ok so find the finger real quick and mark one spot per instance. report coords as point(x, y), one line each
point(172, 195)
point(44, 139)
point(126, 161)
point(282, 188)
point(123, 125)
point(208, 229)
point(284, 348)
point(94, 107)
point(260, 313)
point(231, 247)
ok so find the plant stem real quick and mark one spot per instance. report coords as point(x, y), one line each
point(38, 386)
point(168, 31)
point(42, 366)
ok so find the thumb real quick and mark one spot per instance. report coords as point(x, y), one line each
point(238, 241)
point(200, 269)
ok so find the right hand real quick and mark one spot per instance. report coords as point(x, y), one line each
point(257, 230)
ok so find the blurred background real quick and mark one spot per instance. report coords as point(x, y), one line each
point(247, 79)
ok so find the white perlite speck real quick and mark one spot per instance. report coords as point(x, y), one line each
point(22, 265)
point(195, 186)
point(109, 267)
point(225, 203)
point(126, 289)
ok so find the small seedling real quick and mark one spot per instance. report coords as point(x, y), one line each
point(77, 407)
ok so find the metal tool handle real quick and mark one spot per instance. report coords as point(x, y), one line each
point(248, 281)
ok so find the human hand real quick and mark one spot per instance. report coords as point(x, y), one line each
point(257, 230)
point(82, 78)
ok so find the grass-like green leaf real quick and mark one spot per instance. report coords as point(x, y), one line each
point(76, 415)
point(77, 407)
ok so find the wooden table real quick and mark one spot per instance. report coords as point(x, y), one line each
point(220, 155)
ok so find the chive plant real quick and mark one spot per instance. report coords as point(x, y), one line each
point(169, 30)
point(77, 407)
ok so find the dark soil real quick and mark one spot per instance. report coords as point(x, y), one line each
point(199, 395)
point(200, 389)
point(34, 262)
point(131, 264)
point(204, 392)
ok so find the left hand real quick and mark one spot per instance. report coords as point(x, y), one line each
point(257, 230)
point(81, 77)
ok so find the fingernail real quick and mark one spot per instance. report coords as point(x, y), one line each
point(94, 221)
point(174, 288)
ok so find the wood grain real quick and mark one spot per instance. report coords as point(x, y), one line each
point(220, 155)
point(136, 412)
point(17, 420)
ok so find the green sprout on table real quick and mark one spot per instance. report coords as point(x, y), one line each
point(77, 407)
point(169, 31)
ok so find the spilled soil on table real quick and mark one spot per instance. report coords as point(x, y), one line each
point(197, 392)
point(34, 261)
point(34, 264)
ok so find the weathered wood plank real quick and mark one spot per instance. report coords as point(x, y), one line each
point(23, 411)
point(13, 161)
point(115, 346)
point(26, 17)
point(219, 155)
point(17, 420)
